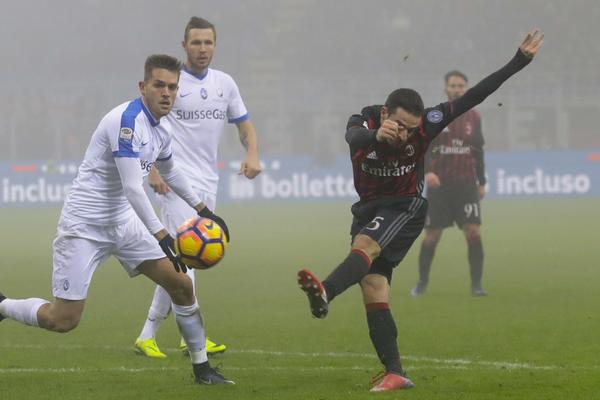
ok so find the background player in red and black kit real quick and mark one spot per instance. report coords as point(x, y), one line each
point(387, 146)
point(455, 179)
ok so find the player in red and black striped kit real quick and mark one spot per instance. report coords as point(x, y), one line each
point(455, 179)
point(387, 146)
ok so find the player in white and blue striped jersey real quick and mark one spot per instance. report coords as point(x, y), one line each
point(207, 100)
point(107, 212)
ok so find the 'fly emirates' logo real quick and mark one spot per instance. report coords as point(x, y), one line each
point(388, 169)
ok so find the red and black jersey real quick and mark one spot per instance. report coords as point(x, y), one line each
point(456, 156)
point(381, 170)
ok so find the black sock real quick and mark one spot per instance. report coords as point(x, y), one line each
point(383, 333)
point(476, 261)
point(425, 258)
point(348, 273)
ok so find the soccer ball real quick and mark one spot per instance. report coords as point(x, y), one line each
point(200, 242)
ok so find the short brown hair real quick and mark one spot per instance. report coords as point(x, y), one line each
point(407, 99)
point(198, 23)
point(455, 73)
point(162, 61)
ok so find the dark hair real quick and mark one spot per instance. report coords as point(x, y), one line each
point(406, 99)
point(198, 23)
point(162, 61)
point(455, 73)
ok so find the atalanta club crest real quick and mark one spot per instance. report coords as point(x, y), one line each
point(203, 93)
point(219, 92)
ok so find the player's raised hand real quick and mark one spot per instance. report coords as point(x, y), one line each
point(250, 167)
point(387, 132)
point(157, 183)
point(532, 43)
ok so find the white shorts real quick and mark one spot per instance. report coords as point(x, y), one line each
point(174, 210)
point(79, 248)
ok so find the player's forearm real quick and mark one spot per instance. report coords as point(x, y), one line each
point(132, 181)
point(178, 182)
point(361, 137)
point(490, 84)
point(248, 138)
point(480, 168)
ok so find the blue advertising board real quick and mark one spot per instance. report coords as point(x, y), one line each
point(554, 173)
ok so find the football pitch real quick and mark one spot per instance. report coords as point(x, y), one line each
point(535, 337)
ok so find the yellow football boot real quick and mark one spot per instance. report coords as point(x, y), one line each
point(211, 347)
point(148, 348)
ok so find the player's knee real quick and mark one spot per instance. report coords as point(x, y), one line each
point(366, 245)
point(65, 323)
point(181, 291)
point(374, 288)
point(472, 233)
point(432, 237)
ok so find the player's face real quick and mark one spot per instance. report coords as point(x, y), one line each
point(159, 91)
point(455, 87)
point(407, 122)
point(199, 47)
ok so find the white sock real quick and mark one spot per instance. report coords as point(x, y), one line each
point(24, 311)
point(158, 312)
point(191, 328)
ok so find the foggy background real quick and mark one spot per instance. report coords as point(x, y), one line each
point(302, 67)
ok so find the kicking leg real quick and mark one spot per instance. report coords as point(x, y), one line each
point(348, 273)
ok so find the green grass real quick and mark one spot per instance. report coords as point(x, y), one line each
point(543, 314)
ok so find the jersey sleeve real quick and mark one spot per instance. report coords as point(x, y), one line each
point(124, 140)
point(437, 118)
point(236, 110)
point(358, 134)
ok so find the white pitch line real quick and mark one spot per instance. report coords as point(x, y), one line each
point(506, 365)
point(75, 370)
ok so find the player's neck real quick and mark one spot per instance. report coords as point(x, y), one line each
point(198, 73)
point(156, 119)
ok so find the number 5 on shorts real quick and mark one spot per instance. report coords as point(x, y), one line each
point(374, 225)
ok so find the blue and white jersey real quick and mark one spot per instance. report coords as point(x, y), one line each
point(129, 130)
point(203, 105)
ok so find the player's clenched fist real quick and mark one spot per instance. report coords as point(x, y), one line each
point(387, 132)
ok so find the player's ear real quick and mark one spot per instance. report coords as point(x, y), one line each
point(383, 114)
point(142, 87)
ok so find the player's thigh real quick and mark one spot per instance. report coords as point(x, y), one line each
point(466, 206)
point(389, 222)
point(177, 284)
point(439, 214)
point(77, 251)
point(134, 245)
point(175, 211)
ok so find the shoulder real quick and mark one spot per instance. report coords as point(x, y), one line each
point(221, 76)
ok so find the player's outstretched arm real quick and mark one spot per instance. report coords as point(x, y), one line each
point(478, 93)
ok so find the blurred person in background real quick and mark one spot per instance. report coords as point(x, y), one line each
point(207, 98)
point(455, 179)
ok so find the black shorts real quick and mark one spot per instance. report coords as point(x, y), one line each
point(394, 223)
point(453, 203)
